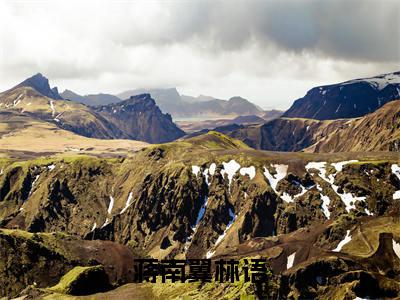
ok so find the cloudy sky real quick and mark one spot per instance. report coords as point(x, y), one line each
point(270, 52)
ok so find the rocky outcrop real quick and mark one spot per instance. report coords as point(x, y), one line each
point(83, 281)
point(139, 118)
point(41, 259)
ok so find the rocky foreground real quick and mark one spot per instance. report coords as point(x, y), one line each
point(328, 224)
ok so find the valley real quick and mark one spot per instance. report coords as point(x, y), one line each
point(87, 190)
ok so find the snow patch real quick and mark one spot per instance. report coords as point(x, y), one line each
point(110, 206)
point(396, 248)
point(325, 203)
point(339, 165)
point(195, 170)
point(396, 171)
point(230, 168)
point(379, 82)
point(51, 167)
point(337, 109)
point(290, 260)
point(212, 169)
point(53, 109)
point(33, 184)
point(209, 254)
point(105, 223)
point(346, 240)
point(17, 101)
point(396, 195)
point(128, 203)
point(347, 198)
point(320, 166)
point(250, 171)
point(281, 171)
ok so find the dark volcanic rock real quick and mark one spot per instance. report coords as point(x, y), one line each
point(139, 118)
point(40, 84)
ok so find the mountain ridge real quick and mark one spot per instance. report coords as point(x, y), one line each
point(349, 99)
point(377, 131)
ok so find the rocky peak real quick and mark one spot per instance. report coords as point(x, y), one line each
point(140, 118)
point(41, 84)
point(142, 99)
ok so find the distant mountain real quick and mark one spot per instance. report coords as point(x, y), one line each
point(40, 84)
point(271, 114)
point(348, 99)
point(91, 100)
point(170, 101)
point(378, 131)
point(139, 118)
point(136, 118)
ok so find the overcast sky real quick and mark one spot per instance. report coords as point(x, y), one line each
point(270, 52)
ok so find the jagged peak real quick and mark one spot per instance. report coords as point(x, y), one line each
point(41, 84)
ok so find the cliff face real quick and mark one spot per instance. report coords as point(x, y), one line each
point(139, 118)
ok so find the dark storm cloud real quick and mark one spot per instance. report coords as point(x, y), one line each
point(269, 51)
point(352, 30)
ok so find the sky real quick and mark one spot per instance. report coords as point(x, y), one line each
point(269, 52)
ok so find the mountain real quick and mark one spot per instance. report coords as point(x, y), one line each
point(41, 84)
point(378, 131)
point(348, 99)
point(170, 101)
point(91, 100)
point(136, 118)
point(139, 118)
point(327, 223)
point(67, 115)
point(272, 114)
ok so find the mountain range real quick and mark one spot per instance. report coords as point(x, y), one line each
point(179, 106)
point(34, 98)
point(78, 207)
